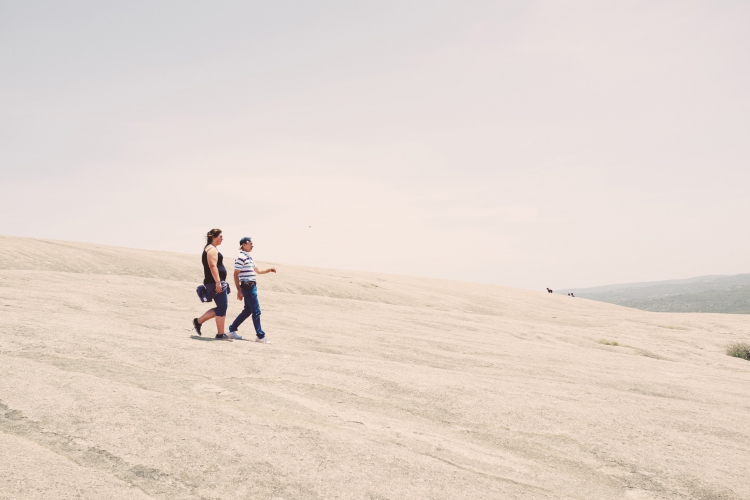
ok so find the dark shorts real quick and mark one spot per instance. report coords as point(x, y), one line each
point(221, 299)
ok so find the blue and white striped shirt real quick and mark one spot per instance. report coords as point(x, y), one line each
point(246, 266)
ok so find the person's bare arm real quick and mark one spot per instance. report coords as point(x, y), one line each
point(264, 271)
point(213, 259)
point(237, 283)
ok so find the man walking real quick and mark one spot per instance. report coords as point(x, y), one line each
point(244, 278)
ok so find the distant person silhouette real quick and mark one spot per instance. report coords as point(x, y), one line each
point(571, 294)
point(549, 291)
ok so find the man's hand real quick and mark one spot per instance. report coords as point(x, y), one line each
point(271, 269)
point(218, 287)
point(239, 294)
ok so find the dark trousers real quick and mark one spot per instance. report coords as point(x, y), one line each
point(252, 308)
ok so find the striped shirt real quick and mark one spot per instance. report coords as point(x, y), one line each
point(245, 265)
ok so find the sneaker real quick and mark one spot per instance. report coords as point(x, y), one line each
point(222, 336)
point(234, 335)
point(196, 326)
point(264, 340)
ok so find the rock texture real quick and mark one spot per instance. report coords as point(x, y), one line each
point(375, 387)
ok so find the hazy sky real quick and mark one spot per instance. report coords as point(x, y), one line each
point(531, 144)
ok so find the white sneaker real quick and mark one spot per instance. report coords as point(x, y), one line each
point(234, 335)
point(264, 340)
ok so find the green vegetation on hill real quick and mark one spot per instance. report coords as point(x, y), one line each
point(732, 300)
point(716, 294)
point(739, 350)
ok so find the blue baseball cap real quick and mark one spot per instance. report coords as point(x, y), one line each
point(246, 239)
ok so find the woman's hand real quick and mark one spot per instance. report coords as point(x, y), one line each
point(218, 287)
point(239, 294)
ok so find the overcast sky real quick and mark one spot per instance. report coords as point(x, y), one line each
point(530, 144)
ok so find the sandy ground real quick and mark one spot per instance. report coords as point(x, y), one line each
point(375, 387)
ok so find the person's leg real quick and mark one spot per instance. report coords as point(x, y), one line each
point(221, 300)
point(255, 305)
point(207, 315)
point(243, 315)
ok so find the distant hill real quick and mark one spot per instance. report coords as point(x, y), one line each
point(717, 294)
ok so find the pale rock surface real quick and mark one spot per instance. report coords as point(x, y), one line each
point(375, 387)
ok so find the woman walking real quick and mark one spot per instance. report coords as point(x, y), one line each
point(214, 279)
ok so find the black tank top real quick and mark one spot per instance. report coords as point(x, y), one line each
point(208, 278)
